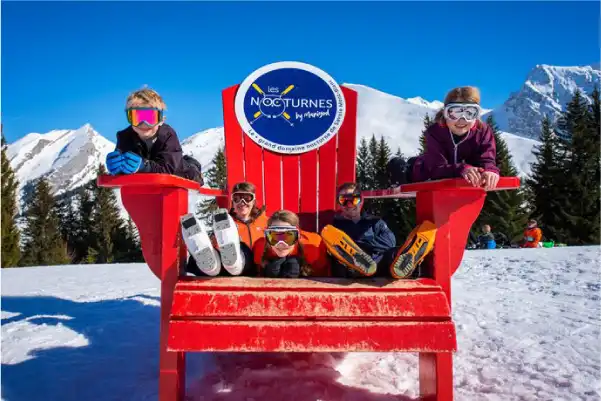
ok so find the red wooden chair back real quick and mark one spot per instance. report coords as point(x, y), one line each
point(304, 184)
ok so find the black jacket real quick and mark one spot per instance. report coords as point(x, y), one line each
point(370, 233)
point(165, 156)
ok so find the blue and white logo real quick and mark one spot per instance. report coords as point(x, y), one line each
point(290, 107)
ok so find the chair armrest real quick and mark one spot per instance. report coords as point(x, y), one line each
point(411, 190)
point(156, 180)
point(453, 205)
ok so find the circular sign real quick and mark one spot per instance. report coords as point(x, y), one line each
point(290, 107)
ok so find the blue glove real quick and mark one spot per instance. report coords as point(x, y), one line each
point(114, 162)
point(131, 163)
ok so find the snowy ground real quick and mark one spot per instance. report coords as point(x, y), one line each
point(528, 324)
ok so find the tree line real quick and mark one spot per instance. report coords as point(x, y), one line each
point(562, 193)
point(80, 227)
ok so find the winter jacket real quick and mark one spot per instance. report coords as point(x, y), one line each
point(314, 255)
point(165, 156)
point(370, 233)
point(485, 240)
point(445, 159)
point(252, 230)
point(532, 237)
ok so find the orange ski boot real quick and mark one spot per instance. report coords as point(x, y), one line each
point(344, 249)
point(419, 243)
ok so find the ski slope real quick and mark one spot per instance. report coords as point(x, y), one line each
point(527, 325)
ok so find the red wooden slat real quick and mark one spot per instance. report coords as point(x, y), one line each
point(253, 159)
point(347, 139)
point(308, 192)
point(234, 153)
point(326, 197)
point(290, 169)
point(314, 285)
point(272, 171)
point(294, 305)
point(319, 336)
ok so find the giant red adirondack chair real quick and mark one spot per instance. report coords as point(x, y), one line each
point(301, 315)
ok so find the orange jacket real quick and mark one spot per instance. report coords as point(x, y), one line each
point(535, 233)
point(252, 230)
point(315, 254)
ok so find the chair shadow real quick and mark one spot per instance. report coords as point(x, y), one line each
point(113, 356)
point(280, 377)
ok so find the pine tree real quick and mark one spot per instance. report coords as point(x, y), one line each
point(43, 244)
point(504, 211)
point(68, 225)
point(85, 234)
point(216, 177)
point(428, 121)
point(581, 214)
point(11, 252)
point(107, 224)
point(364, 165)
point(373, 174)
point(545, 186)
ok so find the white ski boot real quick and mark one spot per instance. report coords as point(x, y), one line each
point(199, 245)
point(228, 241)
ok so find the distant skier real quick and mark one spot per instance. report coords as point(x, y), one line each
point(532, 235)
point(458, 144)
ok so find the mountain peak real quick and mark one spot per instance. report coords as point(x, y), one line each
point(546, 91)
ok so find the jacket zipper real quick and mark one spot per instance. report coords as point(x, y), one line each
point(250, 237)
point(457, 144)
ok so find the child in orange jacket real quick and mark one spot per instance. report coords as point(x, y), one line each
point(532, 235)
point(289, 252)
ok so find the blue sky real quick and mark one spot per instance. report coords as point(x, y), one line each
point(65, 64)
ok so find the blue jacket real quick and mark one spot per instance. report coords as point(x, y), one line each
point(370, 233)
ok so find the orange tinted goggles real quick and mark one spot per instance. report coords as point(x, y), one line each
point(139, 115)
point(285, 234)
point(349, 200)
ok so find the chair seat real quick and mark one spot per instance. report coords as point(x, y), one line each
point(243, 314)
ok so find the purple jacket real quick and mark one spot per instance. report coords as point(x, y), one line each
point(444, 159)
point(165, 156)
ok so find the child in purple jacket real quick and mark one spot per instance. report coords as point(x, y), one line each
point(458, 144)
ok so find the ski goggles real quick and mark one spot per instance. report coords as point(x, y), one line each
point(138, 115)
point(247, 197)
point(349, 200)
point(286, 234)
point(469, 111)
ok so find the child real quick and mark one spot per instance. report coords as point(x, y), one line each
point(235, 233)
point(288, 252)
point(149, 145)
point(363, 245)
point(458, 144)
point(532, 235)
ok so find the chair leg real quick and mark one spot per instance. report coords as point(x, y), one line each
point(172, 365)
point(436, 376)
point(172, 385)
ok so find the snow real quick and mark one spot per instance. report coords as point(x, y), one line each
point(527, 326)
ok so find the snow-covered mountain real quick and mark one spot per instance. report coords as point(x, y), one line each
point(68, 158)
point(547, 90)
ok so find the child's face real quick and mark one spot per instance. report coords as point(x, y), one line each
point(282, 249)
point(144, 130)
point(460, 127)
point(348, 210)
point(243, 204)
